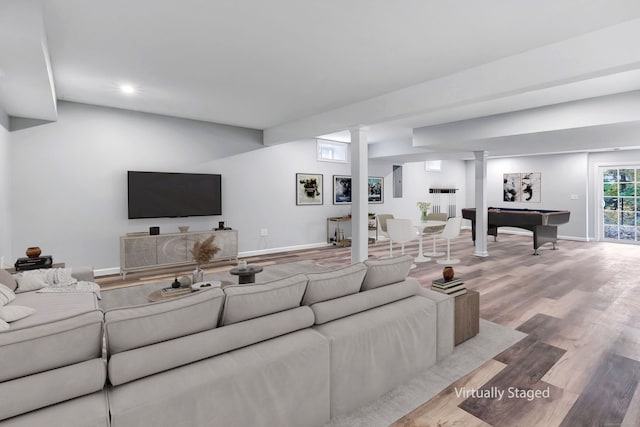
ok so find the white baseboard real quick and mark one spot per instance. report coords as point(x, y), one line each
point(106, 271)
point(530, 233)
point(116, 270)
point(283, 249)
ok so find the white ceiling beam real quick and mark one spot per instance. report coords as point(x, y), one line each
point(26, 81)
point(600, 53)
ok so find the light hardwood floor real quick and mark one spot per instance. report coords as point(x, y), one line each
point(580, 305)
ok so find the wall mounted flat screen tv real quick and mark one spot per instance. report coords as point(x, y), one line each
point(166, 194)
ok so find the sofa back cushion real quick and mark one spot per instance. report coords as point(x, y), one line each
point(334, 284)
point(386, 271)
point(132, 327)
point(338, 308)
point(7, 279)
point(244, 302)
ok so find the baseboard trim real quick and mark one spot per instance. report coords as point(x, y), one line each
point(282, 249)
point(246, 254)
point(530, 233)
point(106, 271)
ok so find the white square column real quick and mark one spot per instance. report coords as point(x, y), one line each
point(482, 214)
point(359, 195)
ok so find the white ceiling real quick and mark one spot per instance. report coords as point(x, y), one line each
point(302, 68)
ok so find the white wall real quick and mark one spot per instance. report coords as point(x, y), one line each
point(69, 188)
point(562, 175)
point(416, 184)
point(69, 177)
point(5, 196)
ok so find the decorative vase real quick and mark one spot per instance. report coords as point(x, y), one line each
point(423, 218)
point(447, 273)
point(33, 252)
point(197, 275)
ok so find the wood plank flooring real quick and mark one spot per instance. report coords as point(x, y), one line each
point(580, 305)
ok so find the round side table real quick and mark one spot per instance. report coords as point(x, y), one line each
point(246, 275)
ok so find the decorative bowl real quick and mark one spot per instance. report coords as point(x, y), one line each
point(183, 228)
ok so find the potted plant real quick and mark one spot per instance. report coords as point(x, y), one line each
point(424, 210)
point(202, 253)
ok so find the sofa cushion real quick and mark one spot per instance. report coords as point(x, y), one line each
point(30, 281)
point(386, 271)
point(327, 311)
point(50, 345)
point(11, 313)
point(141, 362)
point(244, 302)
point(6, 295)
point(32, 392)
point(7, 279)
point(136, 326)
point(3, 325)
point(334, 284)
point(51, 307)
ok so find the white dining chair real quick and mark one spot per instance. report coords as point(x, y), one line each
point(401, 231)
point(435, 231)
point(451, 230)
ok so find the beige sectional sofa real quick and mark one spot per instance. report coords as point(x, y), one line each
point(296, 351)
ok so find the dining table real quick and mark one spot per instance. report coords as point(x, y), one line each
point(419, 226)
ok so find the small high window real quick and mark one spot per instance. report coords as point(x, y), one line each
point(332, 151)
point(433, 165)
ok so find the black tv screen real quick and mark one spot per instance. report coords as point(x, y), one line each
point(165, 194)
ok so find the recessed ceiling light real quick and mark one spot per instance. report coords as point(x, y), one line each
point(128, 89)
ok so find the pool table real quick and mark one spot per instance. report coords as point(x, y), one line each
point(543, 223)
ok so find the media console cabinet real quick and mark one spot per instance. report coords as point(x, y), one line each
point(146, 252)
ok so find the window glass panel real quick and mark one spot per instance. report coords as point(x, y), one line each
point(627, 189)
point(627, 233)
point(628, 218)
point(610, 231)
point(611, 217)
point(332, 151)
point(611, 203)
point(627, 204)
point(433, 165)
point(627, 175)
point(610, 189)
point(610, 175)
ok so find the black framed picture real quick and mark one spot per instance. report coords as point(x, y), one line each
point(341, 189)
point(375, 189)
point(309, 189)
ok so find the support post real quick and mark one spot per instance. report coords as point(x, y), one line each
point(482, 214)
point(359, 195)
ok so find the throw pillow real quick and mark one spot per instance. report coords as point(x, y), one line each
point(3, 325)
point(334, 284)
point(7, 279)
point(6, 295)
point(31, 281)
point(386, 271)
point(11, 313)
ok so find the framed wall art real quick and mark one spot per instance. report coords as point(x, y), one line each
point(530, 186)
point(309, 189)
point(341, 189)
point(376, 189)
point(511, 187)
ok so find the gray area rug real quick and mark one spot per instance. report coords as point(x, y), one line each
point(466, 357)
point(135, 295)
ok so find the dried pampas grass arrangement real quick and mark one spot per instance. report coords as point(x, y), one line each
point(203, 252)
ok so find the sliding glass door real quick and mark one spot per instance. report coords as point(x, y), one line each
point(620, 204)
